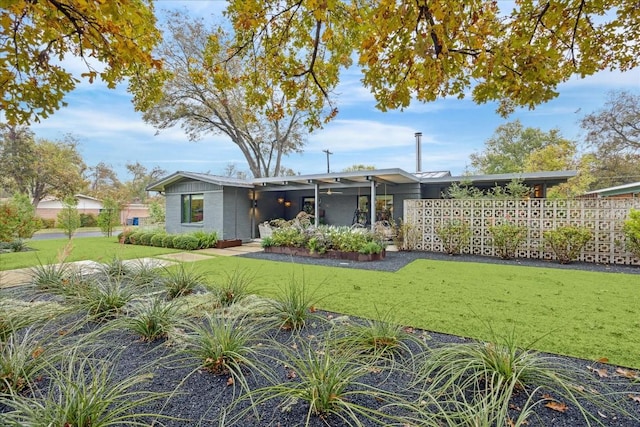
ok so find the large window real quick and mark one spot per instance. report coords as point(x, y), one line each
point(192, 208)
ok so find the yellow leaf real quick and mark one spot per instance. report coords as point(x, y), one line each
point(557, 406)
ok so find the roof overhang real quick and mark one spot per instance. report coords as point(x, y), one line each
point(337, 179)
point(546, 177)
point(632, 188)
point(212, 179)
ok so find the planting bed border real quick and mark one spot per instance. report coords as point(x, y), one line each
point(331, 254)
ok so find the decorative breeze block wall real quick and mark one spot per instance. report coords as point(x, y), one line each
point(604, 217)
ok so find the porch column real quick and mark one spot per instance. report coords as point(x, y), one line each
point(372, 202)
point(316, 202)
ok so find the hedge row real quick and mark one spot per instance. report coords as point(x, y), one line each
point(188, 242)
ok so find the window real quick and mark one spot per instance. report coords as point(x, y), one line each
point(192, 208)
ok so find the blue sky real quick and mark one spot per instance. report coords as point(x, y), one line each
point(109, 129)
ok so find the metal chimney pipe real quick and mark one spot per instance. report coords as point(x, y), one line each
point(418, 136)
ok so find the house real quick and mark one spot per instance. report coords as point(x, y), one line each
point(233, 207)
point(49, 207)
point(618, 192)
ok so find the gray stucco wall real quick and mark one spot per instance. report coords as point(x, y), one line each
point(227, 210)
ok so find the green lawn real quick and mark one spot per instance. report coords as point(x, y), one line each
point(93, 248)
point(582, 314)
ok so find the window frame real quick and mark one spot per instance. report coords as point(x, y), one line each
point(187, 215)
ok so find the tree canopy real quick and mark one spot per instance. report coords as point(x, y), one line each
point(113, 39)
point(613, 133)
point(208, 93)
point(426, 50)
point(40, 168)
point(512, 145)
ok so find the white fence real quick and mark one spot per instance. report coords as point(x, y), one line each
point(604, 217)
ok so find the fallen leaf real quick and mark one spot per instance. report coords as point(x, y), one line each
point(37, 352)
point(291, 374)
point(230, 381)
point(312, 309)
point(635, 398)
point(603, 360)
point(557, 406)
point(627, 373)
point(602, 372)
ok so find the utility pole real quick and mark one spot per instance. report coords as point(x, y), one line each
point(328, 153)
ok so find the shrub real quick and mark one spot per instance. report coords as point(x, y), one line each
point(507, 238)
point(206, 240)
point(186, 242)
point(455, 236)
point(405, 235)
point(145, 238)
point(167, 240)
point(47, 222)
point(88, 220)
point(267, 242)
point(125, 236)
point(371, 248)
point(631, 231)
point(289, 236)
point(134, 238)
point(157, 239)
point(566, 242)
point(17, 219)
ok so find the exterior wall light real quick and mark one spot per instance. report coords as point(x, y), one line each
point(287, 204)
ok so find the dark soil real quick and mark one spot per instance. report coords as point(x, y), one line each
point(200, 397)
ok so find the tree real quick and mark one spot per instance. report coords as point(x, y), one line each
point(207, 95)
point(510, 148)
point(40, 168)
point(614, 134)
point(157, 211)
point(109, 216)
point(103, 181)
point(141, 178)
point(17, 218)
point(428, 50)
point(36, 35)
point(68, 217)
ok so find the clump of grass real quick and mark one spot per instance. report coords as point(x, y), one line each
point(381, 338)
point(22, 358)
point(499, 369)
point(143, 272)
point(153, 319)
point(47, 277)
point(116, 268)
point(106, 299)
point(227, 347)
point(329, 382)
point(293, 305)
point(234, 288)
point(83, 394)
point(180, 281)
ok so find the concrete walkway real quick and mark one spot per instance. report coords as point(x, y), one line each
point(20, 276)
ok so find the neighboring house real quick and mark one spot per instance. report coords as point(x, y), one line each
point(49, 207)
point(618, 192)
point(233, 207)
